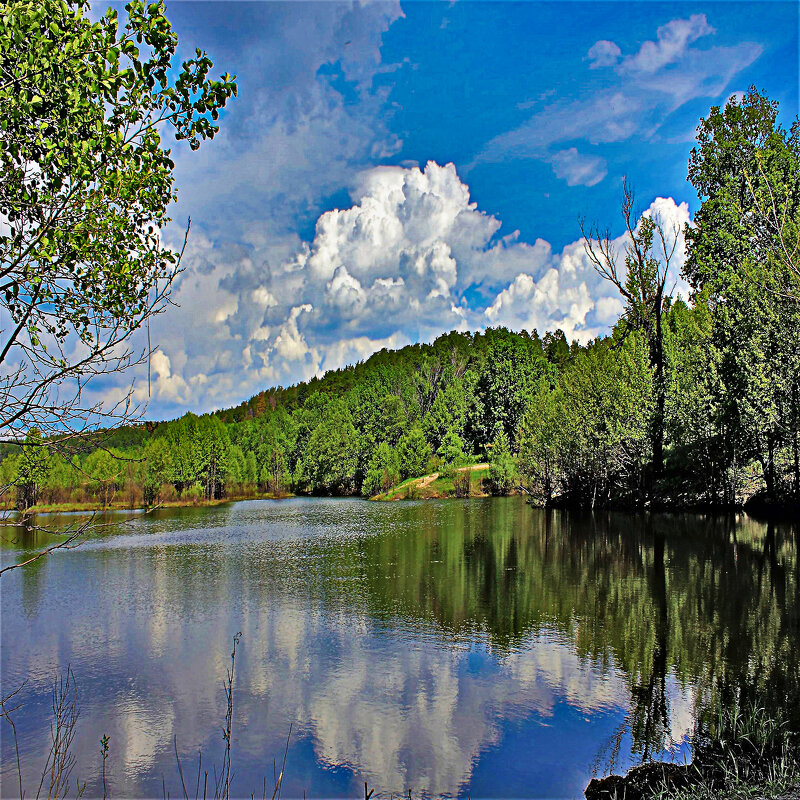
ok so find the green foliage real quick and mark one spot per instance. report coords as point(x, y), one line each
point(503, 470)
point(504, 386)
point(414, 453)
point(235, 467)
point(250, 469)
point(104, 470)
point(699, 449)
point(159, 469)
point(331, 456)
point(744, 165)
point(194, 493)
point(451, 450)
point(393, 419)
point(274, 473)
point(447, 415)
point(87, 103)
point(556, 348)
point(541, 437)
point(591, 437)
point(199, 449)
point(741, 751)
point(213, 448)
point(383, 471)
point(32, 469)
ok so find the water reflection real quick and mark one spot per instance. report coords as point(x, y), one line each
point(478, 647)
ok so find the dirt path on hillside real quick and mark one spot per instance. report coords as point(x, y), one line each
point(426, 480)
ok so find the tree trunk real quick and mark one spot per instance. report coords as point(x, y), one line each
point(657, 359)
point(769, 474)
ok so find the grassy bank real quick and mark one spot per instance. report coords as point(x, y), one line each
point(740, 753)
point(68, 508)
point(436, 485)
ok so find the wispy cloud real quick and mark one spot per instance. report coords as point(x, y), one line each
point(604, 54)
point(671, 44)
point(650, 83)
point(577, 169)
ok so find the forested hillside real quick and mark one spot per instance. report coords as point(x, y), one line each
point(684, 403)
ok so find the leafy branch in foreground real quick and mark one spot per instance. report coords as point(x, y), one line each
point(85, 186)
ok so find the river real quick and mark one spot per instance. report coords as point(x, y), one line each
point(476, 648)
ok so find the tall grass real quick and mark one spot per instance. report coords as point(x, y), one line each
point(744, 751)
point(56, 779)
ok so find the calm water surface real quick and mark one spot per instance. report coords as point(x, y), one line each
point(477, 648)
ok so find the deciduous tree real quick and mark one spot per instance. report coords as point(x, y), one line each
point(648, 252)
point(414, 453)
point(86, 180)
point(502, 466)
point(746, 170)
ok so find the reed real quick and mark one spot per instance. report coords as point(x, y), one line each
point(56, 778)
point(745, 751)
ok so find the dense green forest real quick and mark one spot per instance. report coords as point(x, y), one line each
point(684, 403)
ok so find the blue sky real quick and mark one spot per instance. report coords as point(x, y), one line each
point(393, 170)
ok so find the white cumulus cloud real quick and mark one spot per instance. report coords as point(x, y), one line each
point(411, 257)
point(571, 295)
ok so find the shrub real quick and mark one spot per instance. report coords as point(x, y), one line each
point(194, 493)
point(383, 471)
point(503, 473)
point(462, 483)
point(414, 453)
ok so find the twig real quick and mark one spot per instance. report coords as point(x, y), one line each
point(279, 781)
point(65, 545)
point(199, 765)
point(180, 768)
point(60, 760)
point(104, 752)
point(225, 777)
point(6, 714)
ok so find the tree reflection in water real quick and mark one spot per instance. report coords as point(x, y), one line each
point(410, 642)
point(712, 600)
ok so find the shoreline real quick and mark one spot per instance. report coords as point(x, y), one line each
point(75, 508)
point(437, 487)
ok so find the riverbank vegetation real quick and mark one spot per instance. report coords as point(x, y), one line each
point(470, 481)
point(687, 402)
point(738, 752)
